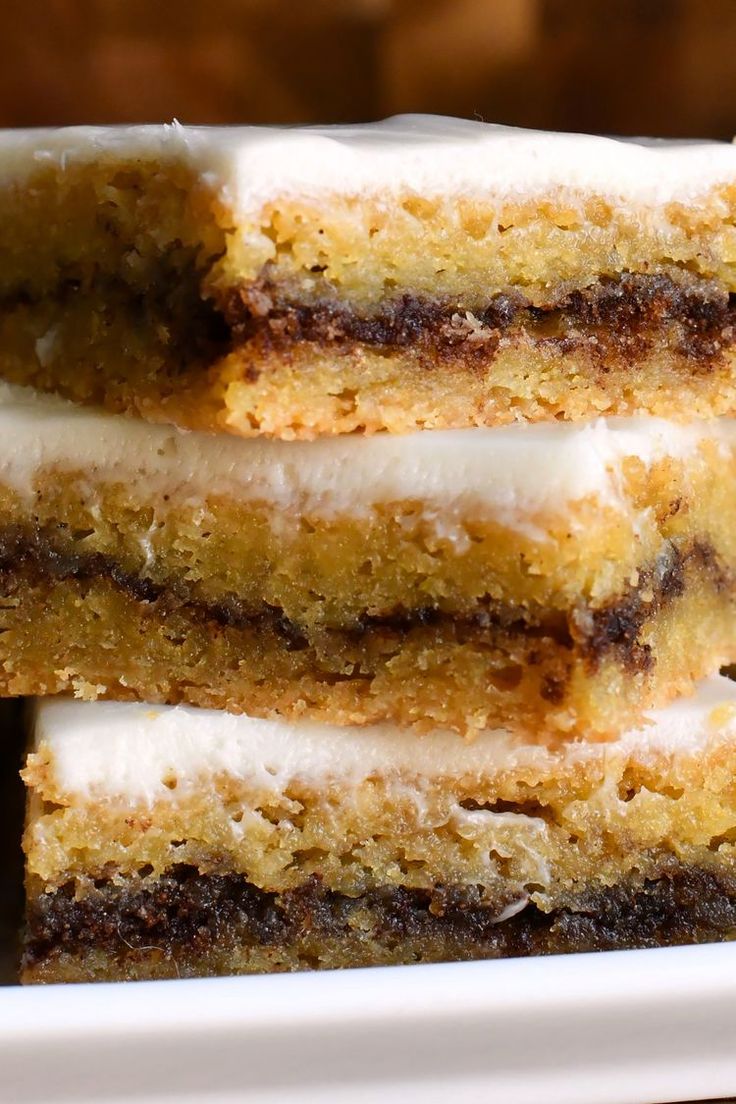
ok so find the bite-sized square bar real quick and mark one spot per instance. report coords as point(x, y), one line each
point(555, 578)
point(416, 273)
point(174, 841)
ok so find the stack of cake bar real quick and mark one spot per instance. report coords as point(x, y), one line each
point(369, 541)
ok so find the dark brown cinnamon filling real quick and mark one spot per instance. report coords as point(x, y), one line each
point(623, 316)
point(185, 911)
point(617, 321)
point(35, 555)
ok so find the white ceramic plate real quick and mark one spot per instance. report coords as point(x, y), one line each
point(631, 1027)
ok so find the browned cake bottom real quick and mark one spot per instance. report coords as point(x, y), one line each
point(184, 924)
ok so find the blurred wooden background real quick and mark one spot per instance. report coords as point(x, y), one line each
point(662, 67)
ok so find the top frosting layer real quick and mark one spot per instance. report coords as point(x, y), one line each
point(134, 752)
point(428, 155)
point(493, 473)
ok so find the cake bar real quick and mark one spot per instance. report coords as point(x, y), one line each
point(558, 578)
point(177, 842)
point(416, 273)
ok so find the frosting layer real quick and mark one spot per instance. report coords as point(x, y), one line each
point(142, 754)
point(513, 473)
point(424, 154)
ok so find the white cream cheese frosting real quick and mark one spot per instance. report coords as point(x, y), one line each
point(428, 155)
point(513, 474)
point(136, 753)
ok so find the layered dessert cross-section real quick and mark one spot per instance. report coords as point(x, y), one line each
point(558, 578)
point(415, 273)
point(177, 842)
